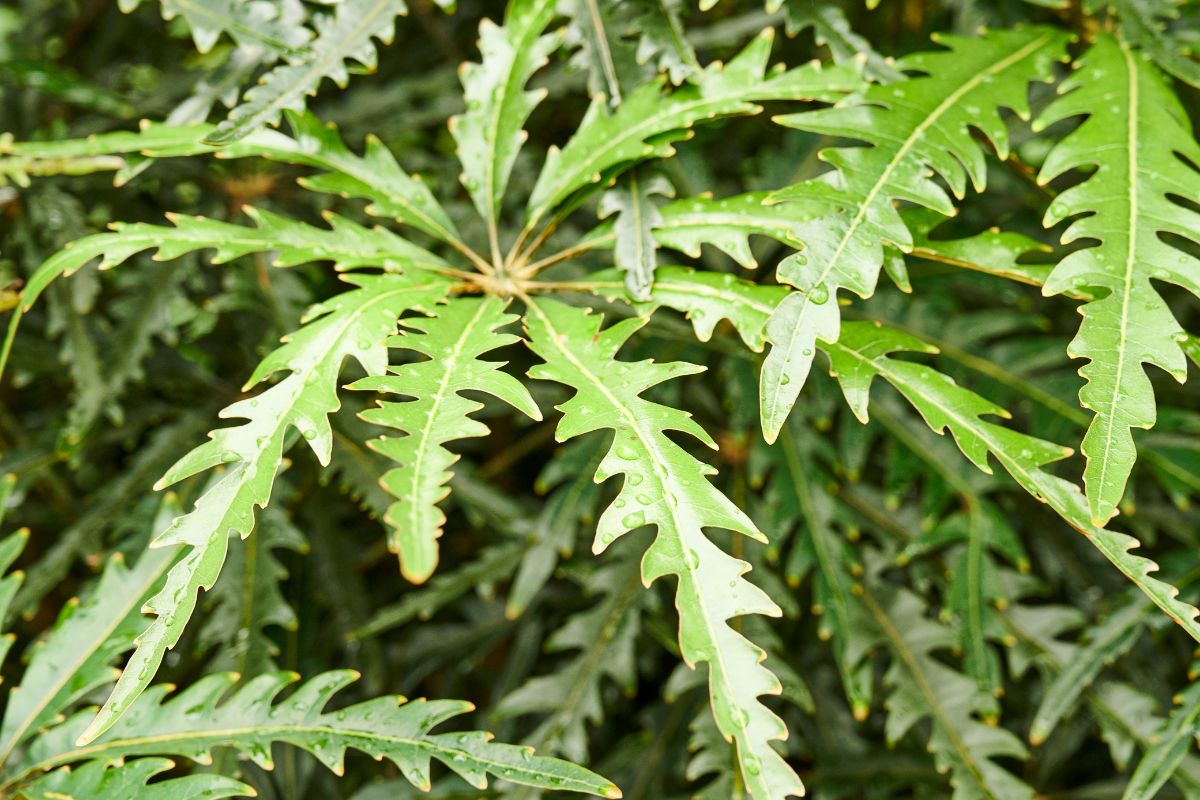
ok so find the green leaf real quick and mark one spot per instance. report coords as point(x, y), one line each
point(666, 487)
point(604, 636)
point(726, 224)
point(1109, 640)
point(347, 244)
point(345, 34)
point(832, 29)
point(19, 161)
point(861, 354)
point(636, 248)
point(373, 176)
point(453, 339)
point(920, 129)
point(248, 24)
point(491, 132)
point(354, 323)
point(647, 121)
point(1144, 25)
point(130, 780)
point(706, 298)
point(76, 657)
point(923, 686)
point(993, 251)
point(247, 600)
point(1171, 743)
point(1131, 112)
point(195, 720)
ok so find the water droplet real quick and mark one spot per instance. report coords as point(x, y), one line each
point(644, 499)
point(635, 519)
point(752, 765)
point(627, 453)
point(310, 434)
point(800, 259)
point(806, 352)
point(635, 478)
point(739, 717)
point(690, 557)
point(819, 294)
point(364, 344)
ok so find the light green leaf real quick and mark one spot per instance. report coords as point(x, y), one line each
point(194, 721)
point(647, 121)
point(130, 780)
point(491, 131)
point(920, 129)
point(666, 487)
point(373, 176)
point(352, 324)
point(454, 338)
point(1133, 113)
point(706, 298)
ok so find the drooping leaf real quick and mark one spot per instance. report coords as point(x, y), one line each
point(1126, 206)
point(861, 354)
point(453, 339)
point(197, 719)
point(917, 129)
point(354, 323)
point(666, 487)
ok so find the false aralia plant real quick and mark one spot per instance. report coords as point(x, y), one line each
point(541, 297)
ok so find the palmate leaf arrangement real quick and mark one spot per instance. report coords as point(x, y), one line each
point(433, 311)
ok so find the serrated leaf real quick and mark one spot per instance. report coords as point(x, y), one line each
point(76, 657)
point(491, 131)
point(194, 721)
point(647, 121)
point(604, 636)
point(666, 487)
point(635, 248)
point(922, 686)
point(1171, 744)
point(920, 129)
point(373, 176)
point(461, 331)
point(247, 22)
point(130, 780)
point(861, 354)
point(1108, 641)
point(347, 244)
point(345, 34)
point(1131, 111)
point(705, 297)
point(726, 223)
point(352, 324)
